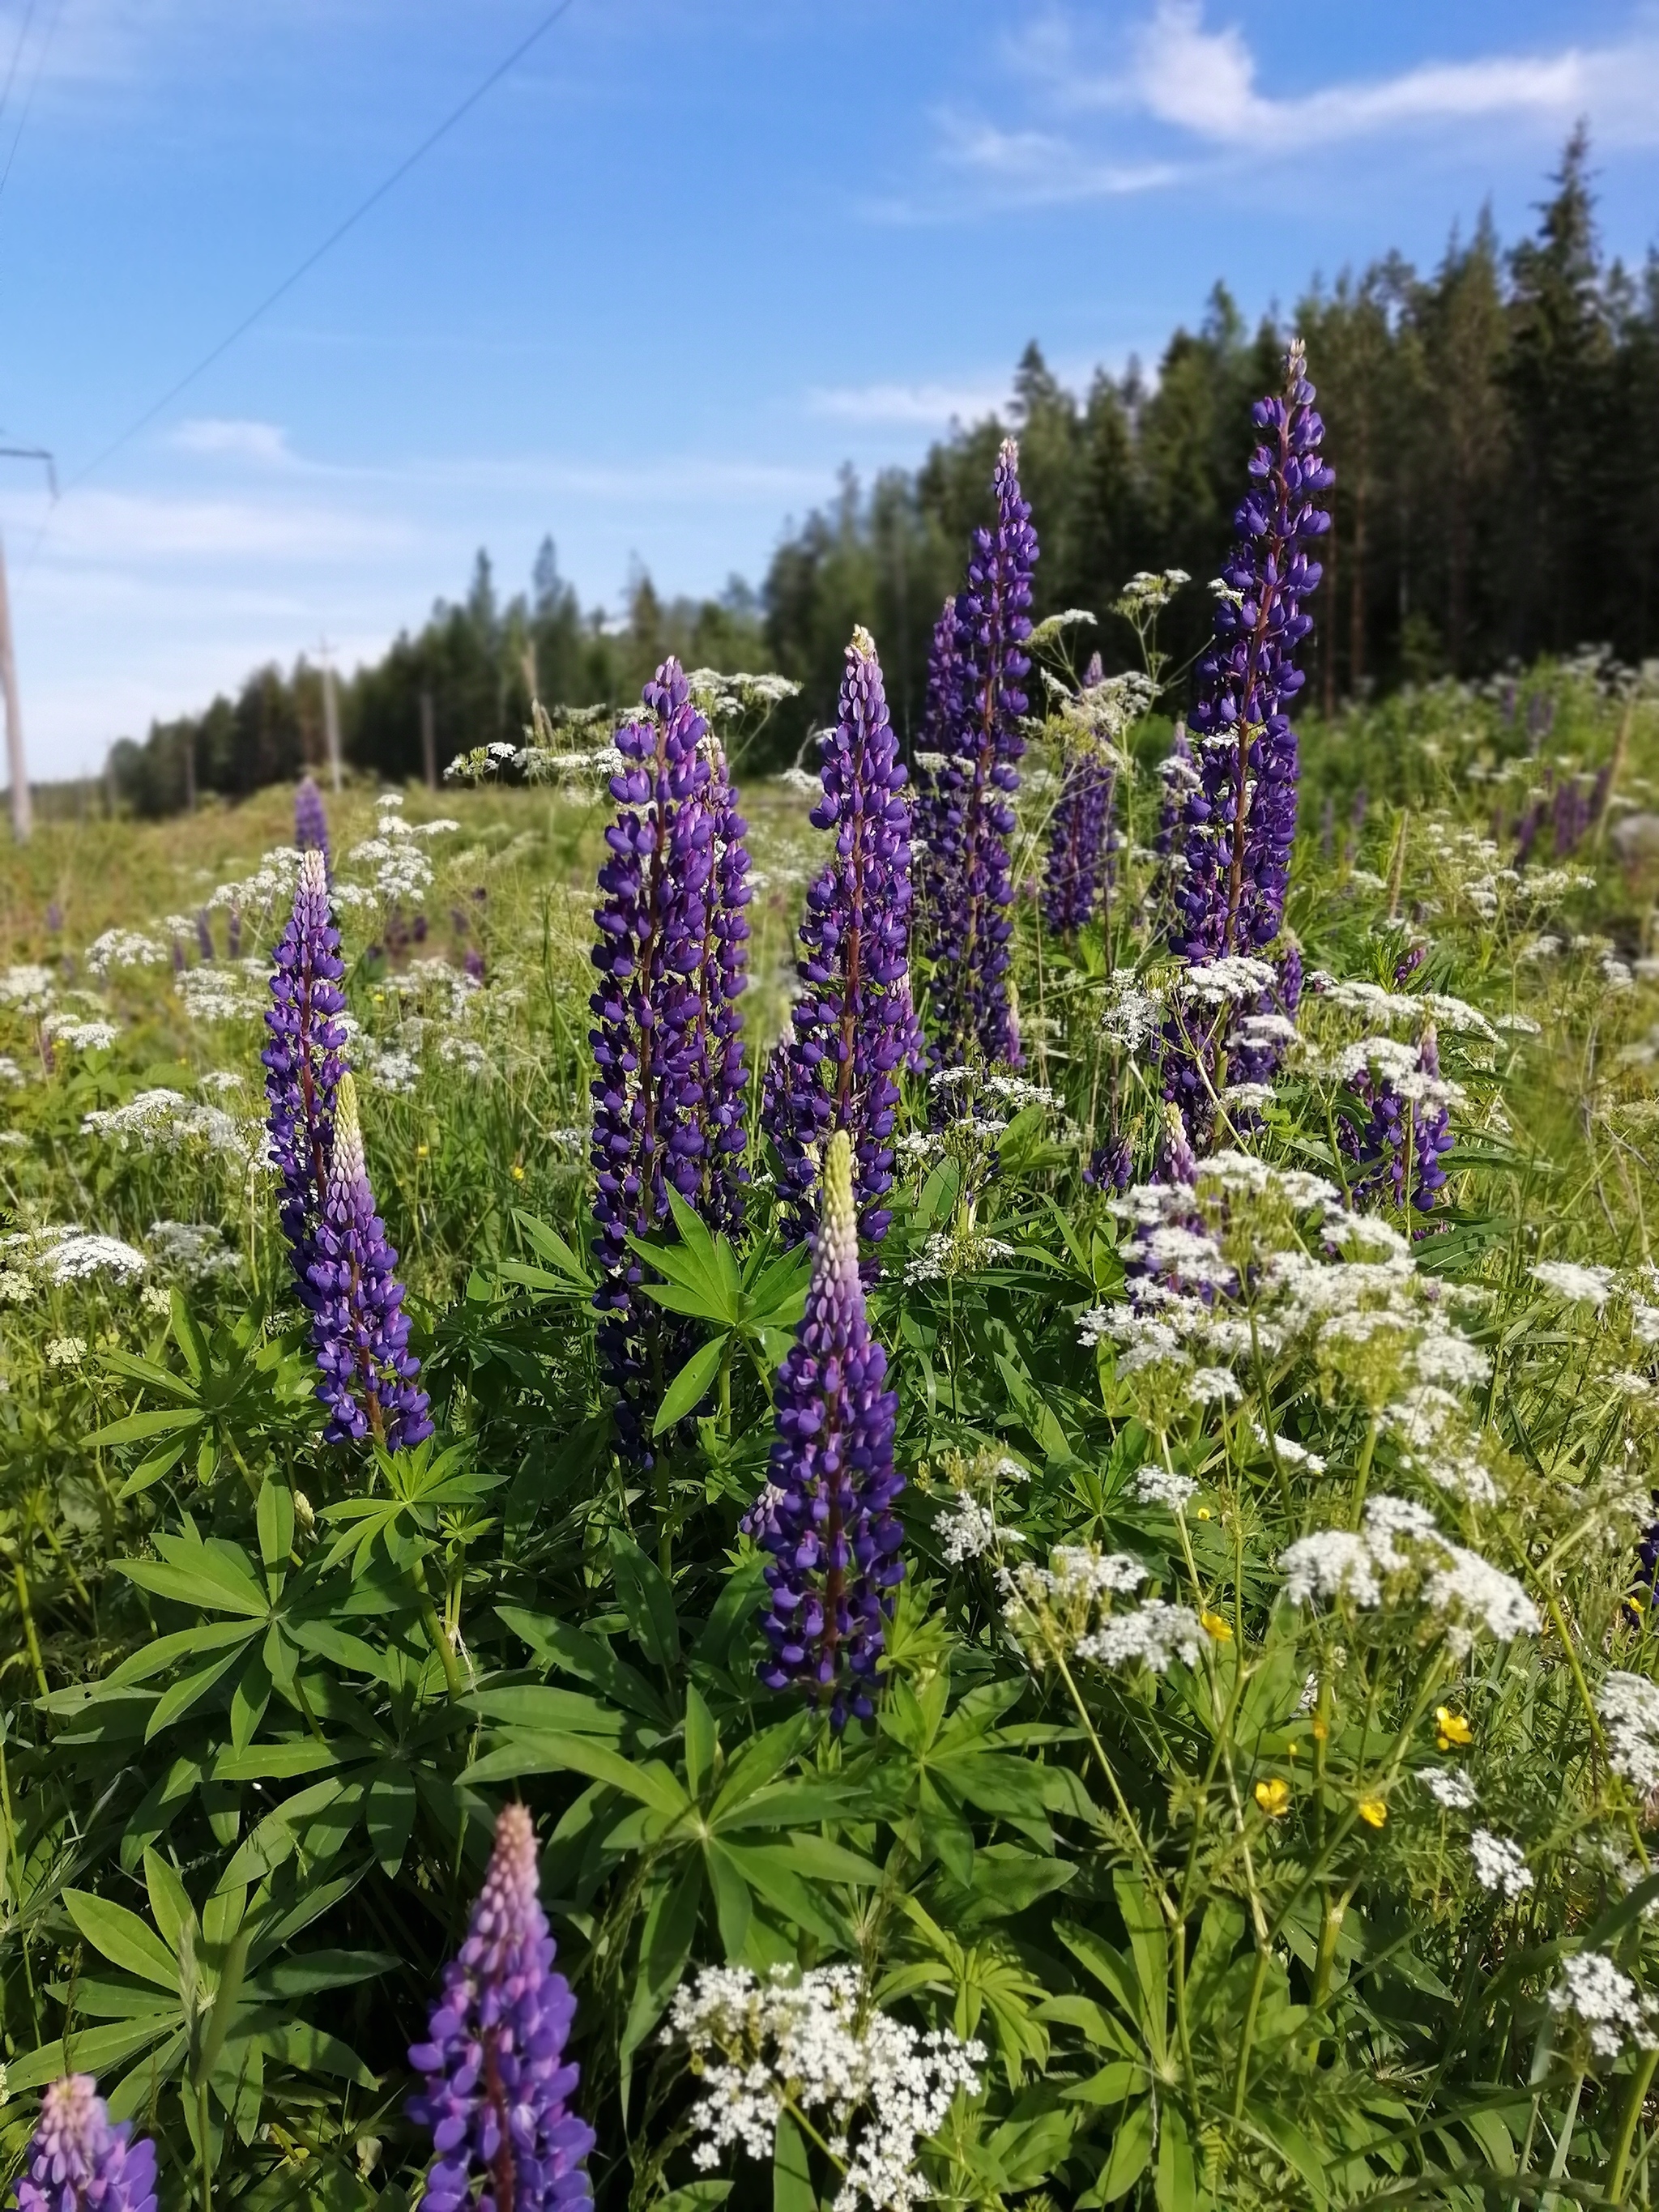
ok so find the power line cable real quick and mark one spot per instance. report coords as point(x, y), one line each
point(16, 56)
point(303, 268)
point(34, 86)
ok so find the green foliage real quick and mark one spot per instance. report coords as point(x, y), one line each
point(1218, 1940)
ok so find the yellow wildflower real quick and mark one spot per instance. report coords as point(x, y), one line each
point(1451, 1729)
point(1273, 1797)
point(1373, 1811)
point(1215, 1625)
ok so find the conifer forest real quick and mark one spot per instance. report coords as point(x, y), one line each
point(880, 1428)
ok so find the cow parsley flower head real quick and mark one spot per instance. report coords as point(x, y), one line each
point(1399, 1554)
point(1629, 1707)
point(1604, 2001)
point(1051, 1610)
point(498, 2086)
point(1573, 1284)
point(76, 2161)
point(1152, 1633)
point(882, 2086)
point(1500, 1864)
point(1451, 1791)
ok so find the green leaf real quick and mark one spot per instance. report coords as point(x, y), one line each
point(589, 1658)
point(691, 1385)
point(150, 1472)
point(177, 1699)
point(647, 1601)
point(1131, 2154)
point(1175, 2183)
point(170, 1906)
point(553, 1249)
point(547, 1711)
point(701, 1741)
point(792, 2172)
point(651, 1784)
point(137, 1425)
point(92, 2052)
point(123, 1938)
point(275, 1519)
point(190, 1586)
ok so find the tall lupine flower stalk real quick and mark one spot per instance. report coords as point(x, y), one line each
point(498, 2086)
point(649, 1127)
point(303, 1061)
point(310, 820)
point(1080, 840)
point(358, 1325)
point(76, 2161)
point(1239, 823)
point(722, 977)
point(969, 873)
point(826, 1514)
point(853, 1021)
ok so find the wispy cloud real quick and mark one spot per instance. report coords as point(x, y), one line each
point(1186, 102)
point(216, 435)
point(910, 404)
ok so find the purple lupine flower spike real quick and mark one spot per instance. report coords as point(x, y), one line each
point(310, 820)
point(1240, 823)
point(358, 1325)
point(649, 1129)
point(854, 1023)
point(722, 977)
point(76, 2161)
point(1401, 1147)
point(303, 1061)
point(826, 1514)
point(203, 933)
point(969, 881)
point(498, 2085)
point(1080, 839)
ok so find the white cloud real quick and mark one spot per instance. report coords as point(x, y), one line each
point(216, 434)
point(1176, 76)
point(1204, 81)
point(907, 403)
point(106, 525)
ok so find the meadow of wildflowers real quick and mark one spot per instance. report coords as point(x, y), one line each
point(927, 1482)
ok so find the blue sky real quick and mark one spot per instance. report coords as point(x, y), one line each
point(690, 257)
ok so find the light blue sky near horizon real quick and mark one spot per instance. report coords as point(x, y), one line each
point(690, 258)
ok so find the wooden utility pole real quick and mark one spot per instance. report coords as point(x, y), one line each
point(428, 741)
point(22, 809)
point(331, 717)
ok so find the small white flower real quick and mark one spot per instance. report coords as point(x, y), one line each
point(1157, 1485)
point(1449, 1788)
point(1604, 2000)
point(66, 1350)
point(1575, 1285)
point(1629, 1707)
point(1498, 1863)
point(1153, 1632)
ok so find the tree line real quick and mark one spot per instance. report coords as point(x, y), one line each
point(1494, 425)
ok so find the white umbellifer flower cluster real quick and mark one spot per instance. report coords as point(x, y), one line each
point(810, 2043)
point(124, 948)
point(464, 1052)
point(1295, 1456)
point(946, 1256)
point(1053, 1608)
point(66, 1350)
point(193, 1250)
point(1247, 1098)
point(1498, 1863)
point(1153, 1633)
point(393, 1068)
point(212, 993)
point(1629, 1707)
point(1014, 1090)
point(10, 1072)
point(1430, 1428)
point(1227, 982)
point(27, 990)
point(68, 1033)
point(1453, 1791)
point(1399, 1551)
point(1133, 1012)
point(966, 1529)
point(59, 1254)
point(1605, 2002)
point(271, 883)
point(1575, 1285)
point(166, 1119)
point(1214, 1386)
point(1399, 1067)
point(1157, 1485)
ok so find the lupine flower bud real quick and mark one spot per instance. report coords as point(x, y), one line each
point(853, 1023)
point(826, 1513)
point(970, 818)
point(498, 2084)
point(302, 1060)
point(310, 820)
point(1239, 823)
point(358, 1325)
point(77, 2162)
